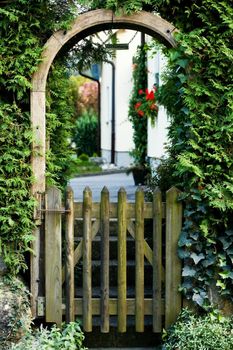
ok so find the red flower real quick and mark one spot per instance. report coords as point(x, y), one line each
point(140, 92)
point(137, 105)
point(153, 107)
point(140, 113)
point(150, 95)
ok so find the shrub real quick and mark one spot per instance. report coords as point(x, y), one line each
point(70, 337)
point(192, 332)
point(86, 134)
point(84, 157)
point(163, 177)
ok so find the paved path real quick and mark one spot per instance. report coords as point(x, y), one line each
point(96, 183)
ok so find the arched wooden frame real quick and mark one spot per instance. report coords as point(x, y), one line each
point(85, 24)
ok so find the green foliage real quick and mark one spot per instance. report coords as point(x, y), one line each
point(120, 6)
point(15, 182)
point(86, 166)
point(69, 337)
point(162, 177)
point(60, 125)
point(192, 332)
point(84, 157)
point(86, 133)
point(198, 97)
point(139, 121)
point(23, 30)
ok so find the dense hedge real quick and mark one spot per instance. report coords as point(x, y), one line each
point(23, 30)
point(198, 96)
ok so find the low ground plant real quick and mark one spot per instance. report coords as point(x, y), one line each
point(85, 166)
point(69, 337)
point(193, 332)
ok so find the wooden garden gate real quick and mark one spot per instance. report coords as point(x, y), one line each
point(65, 253)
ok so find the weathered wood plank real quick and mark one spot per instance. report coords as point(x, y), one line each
point(53, 275)
point(104, 229)
point(147, 249)
point(78, 253)
point(157, 260)
point(34, 270)
point(148, 210)
point(122, 261)
point(87, 253)
point(173, 263)
point(69, 263)
point(139, 260)
point(112, 306)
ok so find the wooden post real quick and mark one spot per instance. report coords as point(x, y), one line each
point(87, 245)
point(157, 261)
point(122, 261)
point(69, 255)
point(104, 229)
point(173, 263)
point(139, 260)
point(53, 262)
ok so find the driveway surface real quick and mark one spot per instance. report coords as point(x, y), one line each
point(96, 183)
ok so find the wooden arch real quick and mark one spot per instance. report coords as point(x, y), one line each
point(85, 24)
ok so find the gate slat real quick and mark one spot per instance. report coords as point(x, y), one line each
point(173, 263)
point(157, 261)
point(139, 260)
point(53, 262)
point(69, 264)
point(87, 270)
point(104, 229)
point(122, 261)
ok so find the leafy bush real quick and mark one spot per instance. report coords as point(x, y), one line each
point(84, 157)
point(163, 177)
point(192, 332)
point(70, 337)
point(86, 134)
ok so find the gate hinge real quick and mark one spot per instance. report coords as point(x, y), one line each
point(58, 210)
point(40, 306)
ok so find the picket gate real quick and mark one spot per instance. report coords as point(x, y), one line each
point(62, 253)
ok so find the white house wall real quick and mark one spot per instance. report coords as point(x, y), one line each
point(157, 134)
point(124, 131)
point(106, 111)
point(123, 87)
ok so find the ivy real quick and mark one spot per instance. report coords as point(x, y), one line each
point(198, 97)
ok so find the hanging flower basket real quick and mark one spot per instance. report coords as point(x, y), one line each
point(146, 104)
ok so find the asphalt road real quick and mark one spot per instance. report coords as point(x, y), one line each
point(96, 183)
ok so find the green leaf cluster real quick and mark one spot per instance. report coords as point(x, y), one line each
point(69, 337)
point(198, 96)
point(23, 30)
point(192, 332)
point(139, 123)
